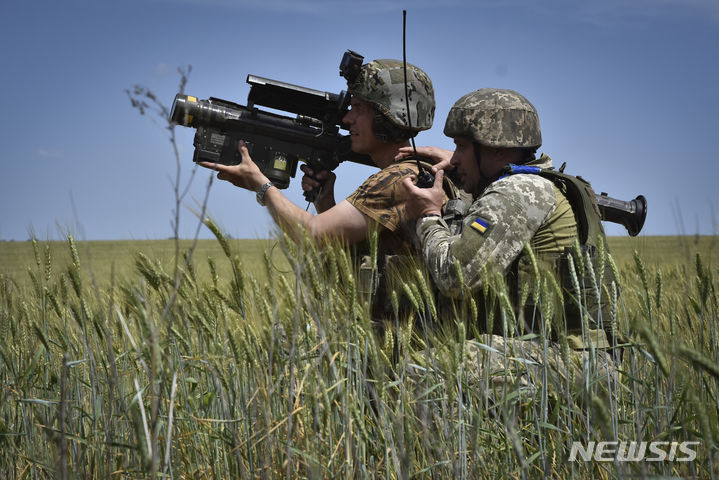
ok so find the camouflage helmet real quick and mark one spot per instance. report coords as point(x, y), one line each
point(495, 118)
point(381, 83)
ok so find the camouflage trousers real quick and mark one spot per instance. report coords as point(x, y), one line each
point(493, 366)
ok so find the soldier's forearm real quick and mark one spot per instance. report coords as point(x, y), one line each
point(436, 241)
point(288, 216)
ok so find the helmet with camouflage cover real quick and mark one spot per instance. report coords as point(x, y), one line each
point(381, 83)
point(495, 118)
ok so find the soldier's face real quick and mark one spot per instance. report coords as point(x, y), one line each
point(465, 164)
point(474, 177)
point(359, 120)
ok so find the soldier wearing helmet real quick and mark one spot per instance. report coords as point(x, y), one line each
point(379, 125)
point(518, 200)
point(381, 84)
point(491, 129)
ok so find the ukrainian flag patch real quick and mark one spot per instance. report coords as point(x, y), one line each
point(480, 225)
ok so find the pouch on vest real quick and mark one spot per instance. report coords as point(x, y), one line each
point(368, 278)
point(578, 307)
point(453, 214)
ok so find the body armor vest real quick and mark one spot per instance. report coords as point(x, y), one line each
point(586, 315)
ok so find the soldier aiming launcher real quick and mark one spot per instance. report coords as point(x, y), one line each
point(277, 142)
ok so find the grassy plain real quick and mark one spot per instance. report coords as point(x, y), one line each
point(664, 251)
point(263, 363)
point(107, 260)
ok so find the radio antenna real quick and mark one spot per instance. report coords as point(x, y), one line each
point(424, 178)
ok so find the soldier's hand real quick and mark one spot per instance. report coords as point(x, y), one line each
point(324, 180)
point(245, 175)
point(423, 201)
point(439, 157)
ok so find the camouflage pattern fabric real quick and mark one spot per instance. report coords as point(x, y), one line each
point(495, 118)
point(381, 83)
point(380, 198)
point(496, 227)
point(493, 362)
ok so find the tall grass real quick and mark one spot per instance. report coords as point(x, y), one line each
point(283, 374)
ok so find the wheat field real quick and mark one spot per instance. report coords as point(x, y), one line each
point(259, 359)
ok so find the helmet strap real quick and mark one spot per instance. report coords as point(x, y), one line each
point(385, 131)
point(484, 181)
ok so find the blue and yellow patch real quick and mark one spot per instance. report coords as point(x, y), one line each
point(480, 225)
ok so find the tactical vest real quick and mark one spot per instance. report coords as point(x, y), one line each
point(373, 277)
point(585, 299)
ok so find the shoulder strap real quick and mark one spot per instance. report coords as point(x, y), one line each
point(580, 195)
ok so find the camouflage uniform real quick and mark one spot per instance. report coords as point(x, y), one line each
point(404, 102)
point(512, 211)
point(494, 362)
point(380, 198)
point(382, 84)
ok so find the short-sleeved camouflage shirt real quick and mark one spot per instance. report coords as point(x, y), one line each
point(380, 197)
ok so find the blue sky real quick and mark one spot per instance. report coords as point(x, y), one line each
point(626, 93)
